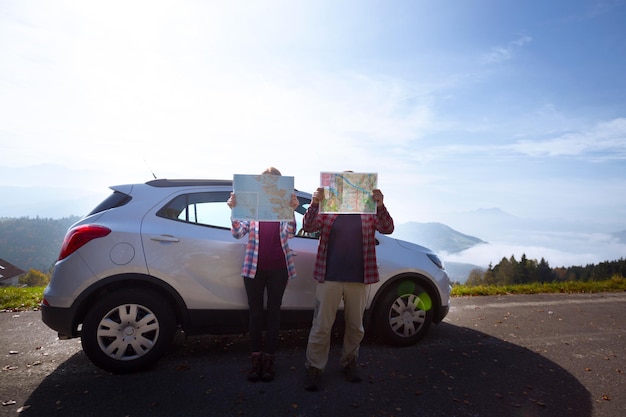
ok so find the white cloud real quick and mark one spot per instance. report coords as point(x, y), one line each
point(605, 141)
point(499, 54)
point(587, 249)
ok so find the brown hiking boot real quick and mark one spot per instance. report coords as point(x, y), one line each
point(268, 367)
point(352, 371)
point(311, 379)
point(254, 374)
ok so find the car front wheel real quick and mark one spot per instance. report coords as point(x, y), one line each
point(128, 330)
point(404, 313)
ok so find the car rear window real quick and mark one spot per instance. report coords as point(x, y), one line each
point(116, 199)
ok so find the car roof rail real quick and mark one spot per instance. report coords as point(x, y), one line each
point(163, 182)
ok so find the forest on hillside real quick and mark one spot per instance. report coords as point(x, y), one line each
point(33, 243)
point(510, 271)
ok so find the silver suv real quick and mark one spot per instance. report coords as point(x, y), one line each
point(159, 256)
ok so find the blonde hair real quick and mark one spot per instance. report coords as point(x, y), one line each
point(271, 170)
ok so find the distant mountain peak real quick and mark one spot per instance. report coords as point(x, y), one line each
point(436, 236)
point(493, 211)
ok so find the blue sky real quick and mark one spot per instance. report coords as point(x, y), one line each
point(458, 105)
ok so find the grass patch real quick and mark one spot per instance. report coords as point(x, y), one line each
point(29, 298)
point(615, 284)
point(25, 298)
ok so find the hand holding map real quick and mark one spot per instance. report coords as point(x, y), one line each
point(348, 192)
point(263, 197)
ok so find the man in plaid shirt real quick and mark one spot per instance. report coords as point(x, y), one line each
point(345, 264)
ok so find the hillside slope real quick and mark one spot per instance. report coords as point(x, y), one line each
point(436, 236)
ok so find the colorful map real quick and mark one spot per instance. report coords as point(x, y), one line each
point(348, 192)
point(262, 197)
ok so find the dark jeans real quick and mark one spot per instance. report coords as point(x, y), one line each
point(275, 282)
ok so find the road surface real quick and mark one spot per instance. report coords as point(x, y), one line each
point(517, 355)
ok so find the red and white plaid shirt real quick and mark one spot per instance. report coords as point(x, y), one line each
point(251, 259)
point(381, 221)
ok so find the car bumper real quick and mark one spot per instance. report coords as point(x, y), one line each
point(61, 320)
point(443, 312)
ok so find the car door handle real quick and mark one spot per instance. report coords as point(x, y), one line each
point(165, 238)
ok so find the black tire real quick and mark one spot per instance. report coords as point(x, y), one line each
point(128, 330)
point(404, 313)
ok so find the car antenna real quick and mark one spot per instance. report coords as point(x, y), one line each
point(148, 166)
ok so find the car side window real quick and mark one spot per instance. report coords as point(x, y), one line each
point(207, 209)
point(299, 213)
point(210, 209)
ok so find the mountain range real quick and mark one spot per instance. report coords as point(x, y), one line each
point(441, 239)
point(436, 236)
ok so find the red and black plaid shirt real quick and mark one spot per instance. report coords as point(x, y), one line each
point(381, 221)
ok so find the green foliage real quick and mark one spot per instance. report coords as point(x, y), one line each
point(27, 298)
point(32, 242)
point(34, 278)
point(527, 271)
point(615, 284)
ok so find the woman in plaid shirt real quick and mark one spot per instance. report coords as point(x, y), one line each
point(345, 264)
point(268, 264)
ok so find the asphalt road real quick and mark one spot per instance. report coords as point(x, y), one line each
point(531, 355)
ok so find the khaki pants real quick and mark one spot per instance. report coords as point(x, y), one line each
point(328, 297)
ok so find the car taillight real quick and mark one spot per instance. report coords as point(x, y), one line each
point(79, 236)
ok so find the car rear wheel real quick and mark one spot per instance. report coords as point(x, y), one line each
point(404, 313)
point(128, 330)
